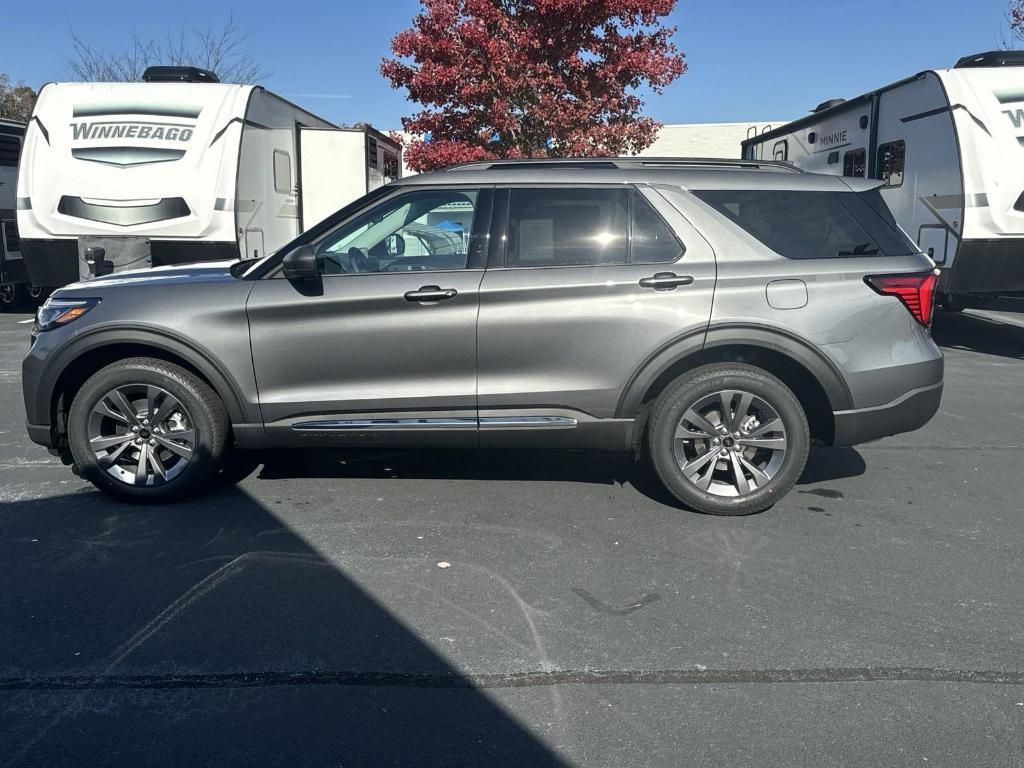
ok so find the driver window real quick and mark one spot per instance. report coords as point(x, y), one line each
point(419, 231)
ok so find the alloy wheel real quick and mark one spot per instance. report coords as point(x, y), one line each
point(730, 443)
point(141, 434)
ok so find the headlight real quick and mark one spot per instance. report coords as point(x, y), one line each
point(58, 312)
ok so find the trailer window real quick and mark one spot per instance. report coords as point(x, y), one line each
point(10, 147)
point(282, 172)
point(891, 161)
point(814, 225)
point(855, 163)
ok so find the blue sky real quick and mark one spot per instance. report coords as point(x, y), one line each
point(748, 60)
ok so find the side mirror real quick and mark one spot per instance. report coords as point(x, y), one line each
point(301, 264)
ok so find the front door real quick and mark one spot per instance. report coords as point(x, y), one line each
point(592, 283)
point(383, 344)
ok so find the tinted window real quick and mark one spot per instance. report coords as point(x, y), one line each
point(814, 225)
point(892, 158)
point(282, 172)
point(653, 240)
point(10, 147)
point(566, 227)
point(415, 232)
point(855, 163)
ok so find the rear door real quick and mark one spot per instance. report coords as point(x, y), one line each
point(585, 285)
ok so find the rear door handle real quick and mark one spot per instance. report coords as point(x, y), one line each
point(665, 281)
point(431, 293)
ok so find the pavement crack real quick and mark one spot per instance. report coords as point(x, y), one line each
point(514, 680)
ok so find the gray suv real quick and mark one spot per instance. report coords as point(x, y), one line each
point(713, 316)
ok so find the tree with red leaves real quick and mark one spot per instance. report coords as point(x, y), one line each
point(531, 78)
point(1015, 17)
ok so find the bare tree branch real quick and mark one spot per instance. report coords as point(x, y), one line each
point(219, 49)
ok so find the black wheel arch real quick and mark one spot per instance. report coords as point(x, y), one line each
point(796, 361)
point(72, 365)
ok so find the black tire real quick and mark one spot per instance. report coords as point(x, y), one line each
point(694, 387)
point(11, 296)
point(206, 416)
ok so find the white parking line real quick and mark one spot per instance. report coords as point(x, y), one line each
point(22, 322)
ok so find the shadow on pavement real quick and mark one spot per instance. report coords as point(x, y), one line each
point(976, 333)
point(209, 633)
point(601, 468)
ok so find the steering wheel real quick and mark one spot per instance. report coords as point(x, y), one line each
point(361, 261)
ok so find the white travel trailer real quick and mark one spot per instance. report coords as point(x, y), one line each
point(180, 168)
point(13, 279)
point(949, 146)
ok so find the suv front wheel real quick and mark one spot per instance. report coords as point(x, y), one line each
point(145, 430)
point(728, 439)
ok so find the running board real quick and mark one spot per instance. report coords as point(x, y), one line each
point(485, 423)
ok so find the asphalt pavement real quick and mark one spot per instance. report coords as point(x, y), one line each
point(439, 608)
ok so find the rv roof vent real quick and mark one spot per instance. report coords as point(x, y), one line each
point(179, 75)
point(828, 105)
point(993, 59)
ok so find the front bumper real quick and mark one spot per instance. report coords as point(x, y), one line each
point(904, 414)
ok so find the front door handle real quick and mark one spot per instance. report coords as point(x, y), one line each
point(666, 281)
point(431, 293)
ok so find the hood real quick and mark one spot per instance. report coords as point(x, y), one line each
point(178, 274)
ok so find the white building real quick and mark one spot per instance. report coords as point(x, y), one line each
point(705, 139)
point(722, 140)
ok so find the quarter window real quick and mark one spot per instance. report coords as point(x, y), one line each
point(566, 227)
point(653, 242)
point(814, 225)
point(892, 159)
point(425, 230)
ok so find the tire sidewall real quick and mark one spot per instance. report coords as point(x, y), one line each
point(208, 447)
point(690, 390)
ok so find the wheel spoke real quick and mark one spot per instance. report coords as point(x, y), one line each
point(158, 463)
point(167, 406)
point(121, 404)
point(103, 408)
point(772, 443)
point(741, 411)
point(185, 451)
point(111, 441)
point(142, 468)
point(700, 422)
point(739, 479)
point(684, 433)
point(692, 468)
point(759, 475)
point(775, 425)
point(109, 459)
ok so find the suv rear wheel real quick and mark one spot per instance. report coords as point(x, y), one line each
point(728, 439)
point(145, 430)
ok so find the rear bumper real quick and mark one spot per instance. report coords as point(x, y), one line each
point(986, 266)
point(904, 414)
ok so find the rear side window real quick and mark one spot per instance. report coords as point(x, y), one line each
point(653, 241)
point(814, 225)
point(566, 227)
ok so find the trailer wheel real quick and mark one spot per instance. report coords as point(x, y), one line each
point(10, 296)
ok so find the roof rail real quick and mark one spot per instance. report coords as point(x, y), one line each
point(625, 163)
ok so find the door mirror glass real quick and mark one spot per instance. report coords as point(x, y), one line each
point(301, 264)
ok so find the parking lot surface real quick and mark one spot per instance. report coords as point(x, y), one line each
point(405, 608)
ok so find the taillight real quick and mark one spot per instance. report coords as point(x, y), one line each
point(917, 292)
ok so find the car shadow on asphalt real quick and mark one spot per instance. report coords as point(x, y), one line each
point(977, 333)
point(594, 467)
point(210, 633)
